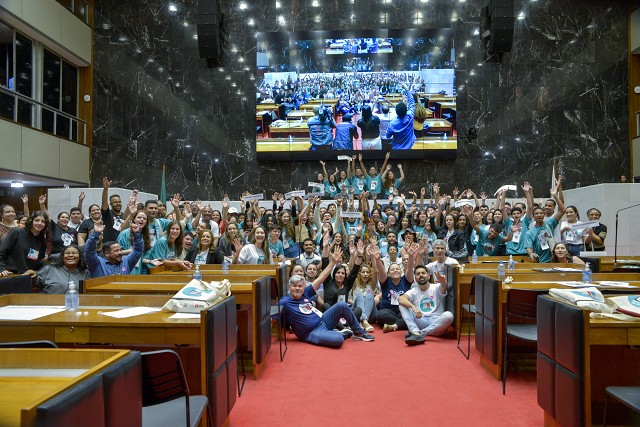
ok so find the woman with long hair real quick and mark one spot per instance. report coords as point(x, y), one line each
point(288, 235)
point(256, 252)
point(24, 249)
point(561, 254)
point(125, 239)
point(204, 252)
point(362, 295)
point(225, 244)
point(70, 266)
point(168, 248)
point(389, 182)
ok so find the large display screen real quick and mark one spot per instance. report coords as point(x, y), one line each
point(322, 94)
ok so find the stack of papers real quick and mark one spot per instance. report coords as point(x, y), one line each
point(27, 312)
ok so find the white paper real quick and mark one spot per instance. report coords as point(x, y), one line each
point(185, 316)
point(296, 193)
point(316, 184)
point(583, 225)
point(577, 284)
point(397, 200)
point(27, 312)
point(347, 158)
point(462, 202)
point(253, 197)
point(310, 195)
point(130, 312)
point(505, 188)
point(348, 214)
point(616, 284)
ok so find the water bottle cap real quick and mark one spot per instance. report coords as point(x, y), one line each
point(72, 286)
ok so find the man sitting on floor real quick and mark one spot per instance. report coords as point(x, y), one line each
point(422, 307)
point(308, 323)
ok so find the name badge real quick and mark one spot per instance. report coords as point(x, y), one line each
point(33, 254)
point(342, 298)
point(516, 237)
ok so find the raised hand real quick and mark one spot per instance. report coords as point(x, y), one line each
point(375, 251)
point(360, 248)
point(106, 183)
point(326, 239)
point(175, 201)
point(526, 187)
point(483, 195)
point(360, 156)
point(98, 226)
point(321, 163)
point(237, 244)
point(336, 255)
point(42, 199)
point(135, 227)
point(455, 192)
point(436, 188)
point(386, 156)
point(25, 198)
point(81, 196)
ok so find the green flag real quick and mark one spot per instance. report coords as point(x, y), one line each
point(163, 189)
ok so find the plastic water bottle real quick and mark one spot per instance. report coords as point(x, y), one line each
point(196, 274)
point(474, 258)
point(511, 265)
point(290, 139)
point(587, 274)
point(501, 273)
point(71, 298)
point(444, 137)
point(225, 264)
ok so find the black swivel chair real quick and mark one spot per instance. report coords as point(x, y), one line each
point(29, 344)
point(628, 396)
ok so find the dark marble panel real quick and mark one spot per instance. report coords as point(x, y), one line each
point(560, 94)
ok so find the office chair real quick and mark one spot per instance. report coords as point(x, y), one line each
point(470, 309)
point(165, 393)
point(522, 305)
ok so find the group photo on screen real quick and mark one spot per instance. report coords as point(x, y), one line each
point(320, 93)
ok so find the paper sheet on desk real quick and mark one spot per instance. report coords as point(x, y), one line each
point(130, 312)
point(617, 284)
point(578, 284)
point(185, 316)
point(27, 312)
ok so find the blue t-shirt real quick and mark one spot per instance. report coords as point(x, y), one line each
point(277, 248)
point(391, 292)
point(401, 129)
point(374, 184)
point(516, 245)
point(487, 246)
point(359, 184)
point(539, 237)
point(300, 313)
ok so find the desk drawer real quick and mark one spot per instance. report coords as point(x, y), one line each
point(72, 334)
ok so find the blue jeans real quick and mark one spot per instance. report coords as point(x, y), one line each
point(426, 325)
point(367, 304)
point(324, 334)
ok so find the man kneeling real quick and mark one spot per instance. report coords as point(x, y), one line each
point(422, 307)
point(310, 324)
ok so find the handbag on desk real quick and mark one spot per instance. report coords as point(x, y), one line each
point(198, 295)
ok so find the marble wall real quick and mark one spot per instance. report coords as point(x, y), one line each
point(561, 94)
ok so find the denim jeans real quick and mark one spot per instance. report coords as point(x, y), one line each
point(365, 301)
point(324, 334)
point(427, 325)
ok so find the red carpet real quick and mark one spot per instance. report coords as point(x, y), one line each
point(383, 382)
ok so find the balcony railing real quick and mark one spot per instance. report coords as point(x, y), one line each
point(25, 111)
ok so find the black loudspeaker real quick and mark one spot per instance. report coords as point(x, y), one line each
point(211, 32)
point(498, 37)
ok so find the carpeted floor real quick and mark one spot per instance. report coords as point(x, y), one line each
point(385, 383)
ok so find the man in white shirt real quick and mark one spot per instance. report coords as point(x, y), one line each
point(422, 307)
point(308, 255)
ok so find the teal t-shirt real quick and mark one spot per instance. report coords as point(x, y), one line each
point(539, 239)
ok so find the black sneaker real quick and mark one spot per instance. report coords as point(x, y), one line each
point(407, 334)
point(414, 340)
point(363, 337)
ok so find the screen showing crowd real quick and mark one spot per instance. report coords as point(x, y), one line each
point(321, 93)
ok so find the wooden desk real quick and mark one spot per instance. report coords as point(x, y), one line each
point(584, 356)
point(438, 125)
point(283, 144)
point(300, 114)
point(533, 282)
point(299, 129)
point(246, 293)
point(22, 394)
point(607, 262)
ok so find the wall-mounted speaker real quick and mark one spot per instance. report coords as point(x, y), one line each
point(498, 21)
point(211, 32)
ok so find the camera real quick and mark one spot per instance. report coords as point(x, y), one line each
point(325, 112)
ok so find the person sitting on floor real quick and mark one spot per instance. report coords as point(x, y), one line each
point(422, 307)
point(308, 323)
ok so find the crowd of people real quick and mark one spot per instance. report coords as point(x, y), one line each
point(361, 244)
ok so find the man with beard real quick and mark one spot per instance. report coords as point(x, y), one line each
point(422, 307)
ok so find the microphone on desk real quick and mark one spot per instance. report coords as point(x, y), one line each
point(615, 250)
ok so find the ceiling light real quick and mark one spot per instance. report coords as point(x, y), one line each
point(17, 184)
point(173, 7)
